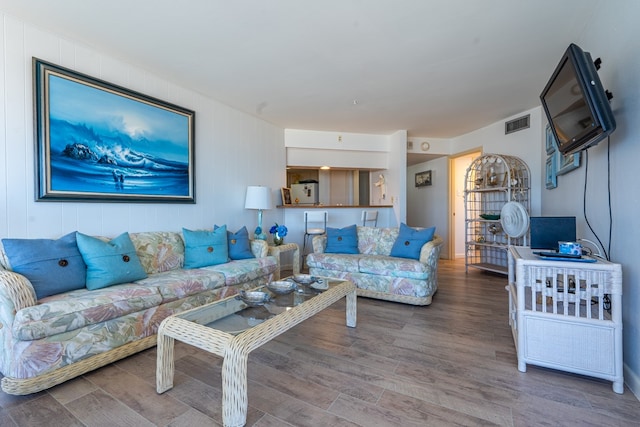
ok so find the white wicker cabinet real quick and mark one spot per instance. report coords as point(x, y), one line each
point(491, 181)
point(559, 318)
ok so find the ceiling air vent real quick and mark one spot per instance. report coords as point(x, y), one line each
point(516, 124)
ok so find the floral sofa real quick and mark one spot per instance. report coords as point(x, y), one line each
point(375, 272)
point(46, 341)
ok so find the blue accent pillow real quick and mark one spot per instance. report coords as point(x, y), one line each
point(52, 266)
point(109, 263)
point(342, 240)
point(203, 247)
point(238, 244)
point(410, 241)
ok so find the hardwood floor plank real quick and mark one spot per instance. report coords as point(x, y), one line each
point(328, 348)
point(317, 371)
point(138, 394)
point(44, 411)
point(293, 385)
point(292, 410)
point(100, 409)
point(192, 418)
point(418, 410)
point(5, 419)
point(205, 367)
point(534, 411)
point(72, 390)
point(367, 414)
point(271, 421)
point(200, 396)
point(9, 400)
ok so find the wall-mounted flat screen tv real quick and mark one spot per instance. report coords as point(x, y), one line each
point(576, 104)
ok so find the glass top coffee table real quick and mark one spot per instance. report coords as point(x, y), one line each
point(231, 329)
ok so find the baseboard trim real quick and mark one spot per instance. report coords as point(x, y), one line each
point(632, 381)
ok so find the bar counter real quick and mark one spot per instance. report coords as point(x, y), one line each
point(307, 207)
point(339, 216)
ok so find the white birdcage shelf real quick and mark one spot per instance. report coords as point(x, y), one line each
point(491, 181)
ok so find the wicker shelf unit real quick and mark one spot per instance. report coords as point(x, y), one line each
point(567, 315)
point(491, 181)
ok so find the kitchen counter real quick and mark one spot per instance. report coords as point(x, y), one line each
point(339, 216)
point(307, 207)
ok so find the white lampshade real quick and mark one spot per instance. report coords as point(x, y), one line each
point(258, 197)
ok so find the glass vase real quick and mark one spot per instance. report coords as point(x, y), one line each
point(277, 240)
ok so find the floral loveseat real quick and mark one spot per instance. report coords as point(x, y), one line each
point(375, 272)
point(48, 340)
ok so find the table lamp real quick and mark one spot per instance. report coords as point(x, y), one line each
point(258, 197)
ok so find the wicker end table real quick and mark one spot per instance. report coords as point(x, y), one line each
point(198, 327)
point(286, 247)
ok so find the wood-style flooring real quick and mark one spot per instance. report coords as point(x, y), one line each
point(451, 363)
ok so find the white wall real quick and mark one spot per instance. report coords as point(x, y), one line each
point(397, 170)
point(336, 149)
point(233, 150)
point(612, 36)
point(436, 146)
point(429, 206)
point(525, 144)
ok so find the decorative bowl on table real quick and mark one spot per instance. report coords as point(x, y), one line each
point(254, 298)
point(282, 287)
point(319, 285)
point(304, 279)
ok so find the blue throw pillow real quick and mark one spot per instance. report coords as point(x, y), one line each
point(238, 244)
point(203, 248)
point(109, 263)
point(52, 266)
point(410, 241)
point(342, 240)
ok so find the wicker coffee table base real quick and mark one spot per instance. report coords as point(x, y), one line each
point(235, 349)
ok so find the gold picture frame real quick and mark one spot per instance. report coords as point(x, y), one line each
point(286, 196)
point(85, 152)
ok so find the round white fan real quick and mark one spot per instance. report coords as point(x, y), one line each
point(514, 219)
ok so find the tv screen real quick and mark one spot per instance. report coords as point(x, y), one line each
point(576, 104)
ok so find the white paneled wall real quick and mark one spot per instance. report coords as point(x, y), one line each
point(232, 149)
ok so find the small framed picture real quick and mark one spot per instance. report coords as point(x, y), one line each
point(551, 179)
point(568, 162)
point(286, 195)
point(550, 141)
point(423, 179)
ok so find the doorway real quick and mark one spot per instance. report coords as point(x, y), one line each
point(458, 165)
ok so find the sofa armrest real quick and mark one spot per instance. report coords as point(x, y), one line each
point(260, 248)
point(430, 252)
point(16, 293)
point(319, 243)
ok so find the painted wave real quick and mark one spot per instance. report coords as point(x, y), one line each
point(83, 160)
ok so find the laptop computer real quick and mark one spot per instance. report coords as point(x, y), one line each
point(547, 231)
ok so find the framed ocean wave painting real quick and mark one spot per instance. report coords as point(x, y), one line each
point(96, 141)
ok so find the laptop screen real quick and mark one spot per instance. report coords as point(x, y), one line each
point(547, 231)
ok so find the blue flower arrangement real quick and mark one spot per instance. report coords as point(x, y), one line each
point(280, 230)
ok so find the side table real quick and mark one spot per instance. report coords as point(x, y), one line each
point(286, 247)
point(559, 316)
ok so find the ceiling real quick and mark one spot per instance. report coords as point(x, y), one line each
point(437, 68)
